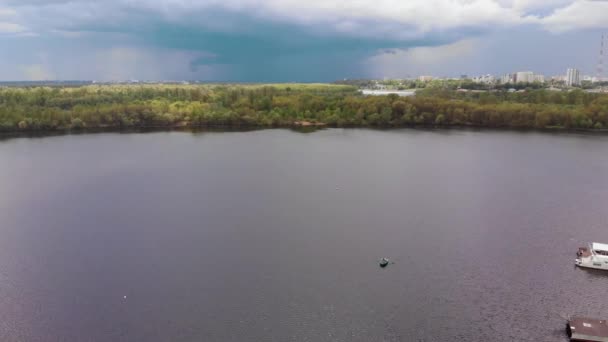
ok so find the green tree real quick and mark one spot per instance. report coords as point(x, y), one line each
point(77, 123)
point(440, 119)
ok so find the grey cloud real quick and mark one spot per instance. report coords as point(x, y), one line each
point(255, 39)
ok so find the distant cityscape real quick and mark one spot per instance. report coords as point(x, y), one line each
point(517, 81)
point(572, 78)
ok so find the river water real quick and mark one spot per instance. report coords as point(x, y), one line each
point(275, 235)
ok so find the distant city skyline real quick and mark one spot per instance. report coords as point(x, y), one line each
point(295, 40)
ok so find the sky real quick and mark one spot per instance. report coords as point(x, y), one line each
point(295, 40)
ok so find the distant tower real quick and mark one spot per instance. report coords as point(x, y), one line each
point(573, 77)
point(600, 62)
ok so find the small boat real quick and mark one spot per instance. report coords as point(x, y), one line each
point(595, 256)
point(384, 262)
point(587, 330)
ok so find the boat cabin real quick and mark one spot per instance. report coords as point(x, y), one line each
point(599, 249)
point(587, 330)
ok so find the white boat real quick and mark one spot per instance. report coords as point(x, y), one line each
point(596, 256)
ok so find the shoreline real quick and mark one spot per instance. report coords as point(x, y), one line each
point(32, 133)
point(122, 108)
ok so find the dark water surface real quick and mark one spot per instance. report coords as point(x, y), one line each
point(275, 236)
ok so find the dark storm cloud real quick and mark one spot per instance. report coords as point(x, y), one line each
point(255, 40)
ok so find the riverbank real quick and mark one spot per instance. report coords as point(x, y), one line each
point(290, 106)
point(296, 128)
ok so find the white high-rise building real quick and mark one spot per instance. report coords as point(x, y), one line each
point(539, 78)
point(507, 78)
point(425, 78)
point(592, 79)
point(573, 77)
point(487, 79)
point(524, 77)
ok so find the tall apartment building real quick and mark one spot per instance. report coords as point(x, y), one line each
point(573, 77)
point(524, 77)
point(487, 79)
point(507, 78)
point(425, 78)
point(539, 78)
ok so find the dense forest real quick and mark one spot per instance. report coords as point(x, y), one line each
point(286, 105)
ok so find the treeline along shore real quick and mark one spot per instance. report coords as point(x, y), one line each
point(288, 105)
